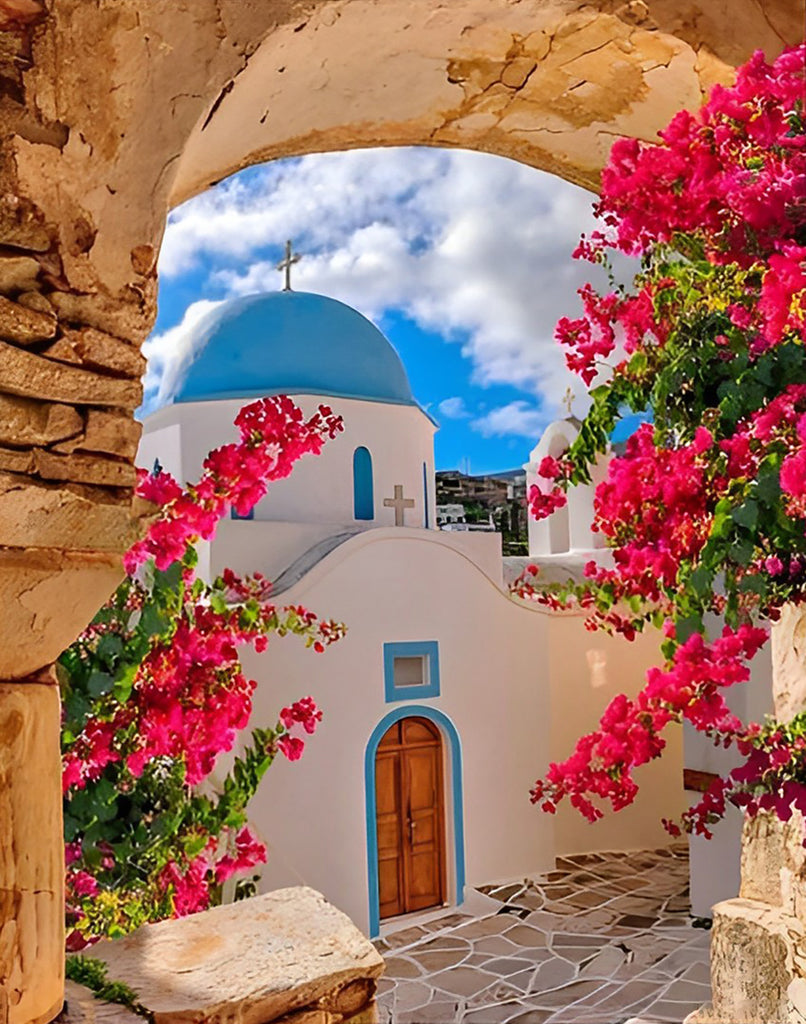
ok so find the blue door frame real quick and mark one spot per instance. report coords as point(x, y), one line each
point(448, 729)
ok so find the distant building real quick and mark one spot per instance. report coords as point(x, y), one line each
point(493, 501)
point(450, 514)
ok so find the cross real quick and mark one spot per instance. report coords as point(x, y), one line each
point(399, 504)
point(568, 400)
point(287, 263)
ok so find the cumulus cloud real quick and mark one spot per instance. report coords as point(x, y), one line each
point(516, 419)
point(454, 408)
point(474, 247)
point(169, 353)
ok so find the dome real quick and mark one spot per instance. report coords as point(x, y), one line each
point(291, 343)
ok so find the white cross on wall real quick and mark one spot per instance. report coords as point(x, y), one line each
point(399, 504)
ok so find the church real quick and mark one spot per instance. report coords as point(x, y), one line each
point(447, 697)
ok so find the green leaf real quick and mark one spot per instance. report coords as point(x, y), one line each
point(742, 550)
point(746, 515)
point(99, 683)
point(688, 626)
point(701, 581)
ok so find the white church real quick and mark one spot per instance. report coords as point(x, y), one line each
point(448, 697)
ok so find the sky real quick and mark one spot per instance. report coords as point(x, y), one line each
point(462, 259)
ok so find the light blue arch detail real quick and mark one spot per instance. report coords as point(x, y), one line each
point(447, 727)
point(363, 490)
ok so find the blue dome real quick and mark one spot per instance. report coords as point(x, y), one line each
point(291, 343)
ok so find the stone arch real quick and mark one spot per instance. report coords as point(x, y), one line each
point(547, 84)
point(115, 112)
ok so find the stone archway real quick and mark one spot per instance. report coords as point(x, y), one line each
point(110, 112)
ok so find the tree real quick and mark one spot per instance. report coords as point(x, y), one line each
point(706, 510)
point(154, 693)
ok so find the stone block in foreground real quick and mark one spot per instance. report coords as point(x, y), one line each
point(757, 951)
point(254, 961)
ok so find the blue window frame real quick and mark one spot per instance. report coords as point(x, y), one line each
point(411, 670)
point(363, 497)
point(249, 515)
point(426, 522)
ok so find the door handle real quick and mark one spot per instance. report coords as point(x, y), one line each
point(412, 826)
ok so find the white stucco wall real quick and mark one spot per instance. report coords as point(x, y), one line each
point(587, 671)
point(569, 528)
point(320, 489)
point(715, 863)
point(492, 687)
point(163, 443)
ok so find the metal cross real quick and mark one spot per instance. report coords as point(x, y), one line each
point(399, 504)
point(287, 263)
point(568, 400)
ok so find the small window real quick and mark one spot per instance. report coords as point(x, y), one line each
point(363, 497)
point(411, 670)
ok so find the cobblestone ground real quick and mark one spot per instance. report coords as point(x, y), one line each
point(604, 939)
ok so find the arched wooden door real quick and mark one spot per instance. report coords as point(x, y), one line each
point(410, 818)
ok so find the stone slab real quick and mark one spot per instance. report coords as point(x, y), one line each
point(18, 273)
point(93, 348)
point(252, 962)
point(48, 596)
point(29, 375)
point(26, 421)
point(70, 517)
point(24, 326)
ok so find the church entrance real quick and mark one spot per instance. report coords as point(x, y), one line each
point(410, 818)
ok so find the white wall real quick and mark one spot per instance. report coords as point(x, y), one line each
point(569, 528)
point(715, 863)
point(163, 443)
point(587, 671)
point(493, 687)
point(320, 489)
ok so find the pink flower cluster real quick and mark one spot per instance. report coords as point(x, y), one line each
point(732, 172)
point(274, 434)
point(733, 177)
point(302, 713)
point(189, 697)
point(629, 735)
point(703, 513)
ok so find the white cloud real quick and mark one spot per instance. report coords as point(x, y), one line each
point(168, 354)
point(472, 246)
point(454, 408)
point(517, 419)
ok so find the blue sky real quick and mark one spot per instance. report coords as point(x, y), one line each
point(462, 259)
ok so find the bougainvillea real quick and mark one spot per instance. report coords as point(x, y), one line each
point(705, 511)
point(154, 693)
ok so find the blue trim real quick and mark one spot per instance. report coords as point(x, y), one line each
point(363, 493)
point(449, 729)
point(249, 515)
point(425, 495)
point(428, 649)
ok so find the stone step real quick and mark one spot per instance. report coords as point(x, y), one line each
point(287, 955)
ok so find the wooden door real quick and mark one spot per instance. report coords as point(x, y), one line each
point(410, 818)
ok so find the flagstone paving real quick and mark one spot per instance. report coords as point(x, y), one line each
point(605, 939)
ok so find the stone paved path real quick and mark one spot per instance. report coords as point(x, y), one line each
point(604, 939)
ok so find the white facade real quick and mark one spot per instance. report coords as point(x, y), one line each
point(568, 529)
point(516, 685)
